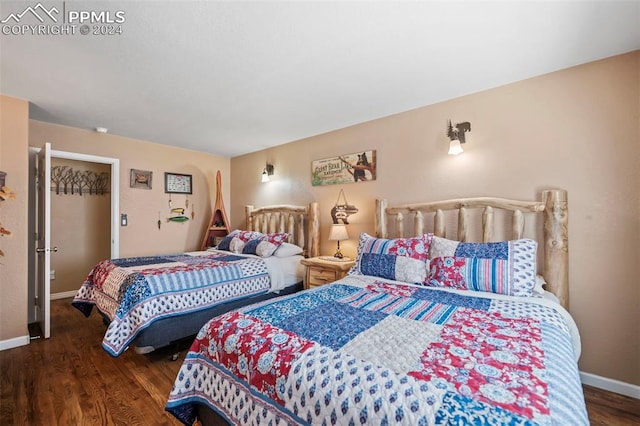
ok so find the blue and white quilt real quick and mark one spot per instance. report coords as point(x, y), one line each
point(369, 351)
point(135, 292)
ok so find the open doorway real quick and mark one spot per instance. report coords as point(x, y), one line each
point(85, 226)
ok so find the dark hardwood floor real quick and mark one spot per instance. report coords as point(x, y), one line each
point(70, 380)
point(608, 408)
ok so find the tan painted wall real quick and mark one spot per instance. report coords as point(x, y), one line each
point(576, 129)
point(14, 160)
point(142, 237)
point(80, 229)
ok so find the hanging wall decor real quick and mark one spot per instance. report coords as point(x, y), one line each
point(140, 179)
point(66, 180)
point(341, 211)
point(177, 183)
point(5, 194)
point(358, 167)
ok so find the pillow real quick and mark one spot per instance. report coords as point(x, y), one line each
point(288, 249)
point(226, 241)
point(401, 259)
point(507, 267)
point(241, 238)
point(265, 245)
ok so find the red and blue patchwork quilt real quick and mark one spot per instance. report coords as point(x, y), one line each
point(384, 353)
point(135, 292)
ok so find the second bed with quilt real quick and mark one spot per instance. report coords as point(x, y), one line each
point(152, 301)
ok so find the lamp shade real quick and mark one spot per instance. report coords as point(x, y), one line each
point(455, 148)
point(338, 233)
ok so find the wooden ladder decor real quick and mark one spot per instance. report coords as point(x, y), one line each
point(218, 226)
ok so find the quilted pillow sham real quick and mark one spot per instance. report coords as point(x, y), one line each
point(241, 238)
point(400, 259)
point(265, 245)
point(507, 267)
point(225, 244)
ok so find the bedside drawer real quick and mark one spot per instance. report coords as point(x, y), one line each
point(320, 276)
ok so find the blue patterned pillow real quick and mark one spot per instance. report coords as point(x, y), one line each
point(226, 241)
point(401, 259)
point(507, 267)
point(265, 245)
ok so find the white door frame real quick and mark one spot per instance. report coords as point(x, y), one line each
point(115, 191)
point(43, 243)
point(115, 204)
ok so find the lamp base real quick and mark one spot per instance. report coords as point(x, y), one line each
point(338, 253)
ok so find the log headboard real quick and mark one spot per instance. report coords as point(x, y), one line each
point(555, 237)
point(301, 222)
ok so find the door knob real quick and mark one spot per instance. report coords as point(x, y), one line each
point(42, 250)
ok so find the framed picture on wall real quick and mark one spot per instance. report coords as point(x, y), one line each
point(140, 179)
point(346, 168)
point(177, 183)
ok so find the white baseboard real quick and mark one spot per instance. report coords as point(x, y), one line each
point(63, 295)
point(610, 385)
point(14, 343)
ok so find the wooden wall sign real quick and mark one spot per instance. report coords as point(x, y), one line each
point(358, 167)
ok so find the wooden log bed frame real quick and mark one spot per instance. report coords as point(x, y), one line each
point(553, 207)
point(301, 222)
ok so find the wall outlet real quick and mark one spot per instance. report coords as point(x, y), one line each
point(52, 274)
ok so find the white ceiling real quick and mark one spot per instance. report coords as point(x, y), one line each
point(231, 78)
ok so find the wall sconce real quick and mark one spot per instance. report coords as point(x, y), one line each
point(456, 136)
point(268, 171)
point(338, 233)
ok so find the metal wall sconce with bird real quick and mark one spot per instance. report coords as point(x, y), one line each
point(456, 136)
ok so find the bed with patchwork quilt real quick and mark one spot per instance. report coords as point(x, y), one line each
point(154, 301)
point(371, 351)
point(430, 329)
point(132, 293)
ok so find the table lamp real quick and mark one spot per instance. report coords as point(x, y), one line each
point(338, 233)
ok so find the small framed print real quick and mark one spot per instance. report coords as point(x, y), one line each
point(177, 183)
point(140, 179)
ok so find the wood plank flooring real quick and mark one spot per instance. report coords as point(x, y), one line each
point(70, 380)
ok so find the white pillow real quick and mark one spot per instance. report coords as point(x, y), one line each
point(288, 249)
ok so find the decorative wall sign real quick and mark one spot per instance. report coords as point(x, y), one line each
point(347, 168)
point(140, 179)
point(341, 211)
point(176, 183)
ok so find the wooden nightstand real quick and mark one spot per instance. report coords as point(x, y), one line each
point(320, 271)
